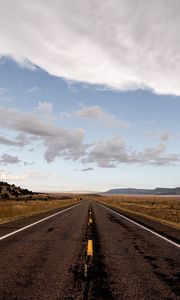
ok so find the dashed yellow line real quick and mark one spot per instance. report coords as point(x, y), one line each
point(90, 248)
point(85, 270)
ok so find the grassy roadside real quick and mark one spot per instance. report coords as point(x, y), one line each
point(11, 210)
point(164, 209)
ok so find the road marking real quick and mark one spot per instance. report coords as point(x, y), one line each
point(147, 229)
point(90, 221)
point(90, 248)
point(85, 270)
point(30, 225)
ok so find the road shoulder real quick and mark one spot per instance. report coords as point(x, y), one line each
point(165, 230)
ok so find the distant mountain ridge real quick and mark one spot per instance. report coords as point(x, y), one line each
point(156, 191)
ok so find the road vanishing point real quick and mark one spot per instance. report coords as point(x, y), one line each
point(88, 251)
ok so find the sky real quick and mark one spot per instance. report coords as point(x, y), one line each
point(90, 94)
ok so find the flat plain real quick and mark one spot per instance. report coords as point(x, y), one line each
point(13, 209)
point(165, 209)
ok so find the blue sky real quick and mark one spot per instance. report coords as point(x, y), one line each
point(78, 116)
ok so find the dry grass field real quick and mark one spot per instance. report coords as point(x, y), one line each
point(10, 210)
point(165, 209)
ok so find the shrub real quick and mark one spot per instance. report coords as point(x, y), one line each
point(5, 196)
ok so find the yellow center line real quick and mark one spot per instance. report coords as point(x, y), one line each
point(90, 248)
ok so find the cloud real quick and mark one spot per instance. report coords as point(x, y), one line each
point(96, 113)
point(10, 176)
point(72, 86)
point(166, 135)
point(21, 140)
point(92, 112)
point(59, 142)
point(108, 153)
point(26, 122)
point(120, 44)
point(4, 94)
point(6, 159)
point(111, 153)
point(148, 155)
point(66, 143)
point(163, 136)
point(34, 89)
point(69, 143)
point(165, 161)
point(45, 108)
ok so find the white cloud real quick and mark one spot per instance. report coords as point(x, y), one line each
point(21, 140)
point(34, 89)
point(45, 108)
point(66, 143)
point(96, 113)
point(6, 159)
point(121, 44)
point(108, 153)
point(164, 136)
point(69, 143)
point(10, 176)
point(111, 153)
point(58, 141)
point(72, 85)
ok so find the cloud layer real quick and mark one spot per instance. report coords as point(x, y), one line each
point(111, 153)
point(57, 141)
point(69, 144)
point(120, 44)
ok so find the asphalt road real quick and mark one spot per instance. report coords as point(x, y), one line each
point(47, 260)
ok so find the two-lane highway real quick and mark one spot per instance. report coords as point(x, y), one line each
point(47, 260)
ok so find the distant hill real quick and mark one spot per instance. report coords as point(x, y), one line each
point(10, 191)
point(157, 191)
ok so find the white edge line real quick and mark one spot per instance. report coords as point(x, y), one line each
point(151, 231)
point(30, 225)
